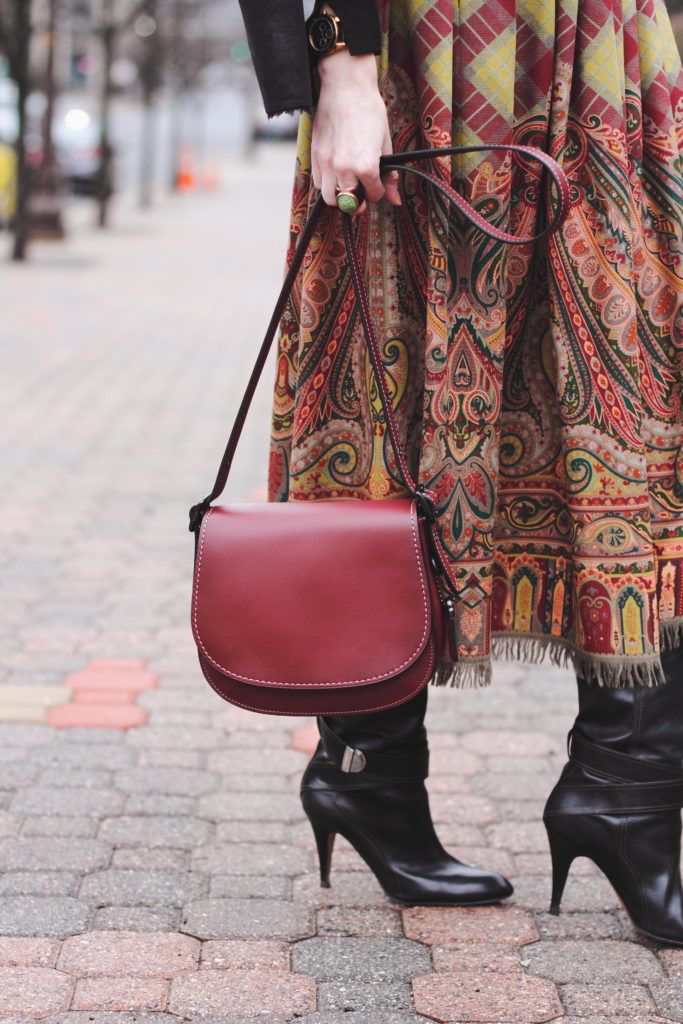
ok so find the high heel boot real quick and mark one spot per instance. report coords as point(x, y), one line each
point(366, 782)
point(618, 799)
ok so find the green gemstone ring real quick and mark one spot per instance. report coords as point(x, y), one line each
point(348, 200)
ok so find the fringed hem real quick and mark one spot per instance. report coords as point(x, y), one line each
point(602, 670)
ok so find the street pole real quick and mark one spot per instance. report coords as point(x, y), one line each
point(21, 76)
point(108, 33)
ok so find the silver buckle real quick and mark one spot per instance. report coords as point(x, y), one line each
point(353, 760)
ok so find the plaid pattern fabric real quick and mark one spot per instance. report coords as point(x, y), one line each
point(538, 388)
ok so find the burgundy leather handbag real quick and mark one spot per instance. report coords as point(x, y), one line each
point(321, 607)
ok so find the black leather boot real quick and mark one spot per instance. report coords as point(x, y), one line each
point(618, 799)
point(366, 782)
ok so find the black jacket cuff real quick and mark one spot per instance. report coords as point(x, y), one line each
point(361, 25)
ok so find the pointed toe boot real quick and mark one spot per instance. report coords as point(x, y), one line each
point(619, 797)
point(366, 781)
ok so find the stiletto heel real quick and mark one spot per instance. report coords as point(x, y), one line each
point(562, 853)
point(369, 788)
point(324, 840)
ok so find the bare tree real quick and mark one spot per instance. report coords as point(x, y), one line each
point(15, 43)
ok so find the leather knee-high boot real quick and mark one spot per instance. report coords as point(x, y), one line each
point(366, 782)
point(619, 796)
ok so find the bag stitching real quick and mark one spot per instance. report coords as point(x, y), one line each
point(298, 686)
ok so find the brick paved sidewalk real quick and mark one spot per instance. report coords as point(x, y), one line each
point(156, 863)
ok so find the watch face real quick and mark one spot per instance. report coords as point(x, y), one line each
point(323, 34)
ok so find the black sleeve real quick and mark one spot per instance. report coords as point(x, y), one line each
point(277, 41)
point(361, 24)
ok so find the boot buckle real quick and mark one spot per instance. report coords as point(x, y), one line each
point(353, 760)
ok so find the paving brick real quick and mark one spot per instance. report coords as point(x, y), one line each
point(526, 837)
point(79, 801)
point(139, 919)
point(252, 859)
point(259, 807)
point(91, 778)
point(672, 961)
point(599, 962)
point(130, 680)
point(178, 832)
point(347, 888)
point(253, 762)
point(102, 953)
point(520, 810)
point(508, 926)
point(608, 925)
point(610, 1000)
point(25, 952)
point(46, 853)
point(359, 997)
point(452, 834)
point(177, 737)
point(110, 1017)
point(462, 810)
point(366, 921)
point(171, 758)
point(46, 825)
point(263, 832)
point(49, 916)
point(243, 886)
point(105, 754)
point(668, 997)
point(351, 958)
point(120, 887)
point(181, 781)
point(244, 954)
point(251, 993)
point(583, 893)
point(9, 824)
point(369, 1017)
point(512, 786)
point(450, 784)
point(39, 883)
point(34, 990)
point(511, 743)
point(478, 996)
point(482, 956)
point(139, 858)
point(117, 665)
point(247, 918)
point(153, 804)
point(98, 716)
point(120, 994)
point(23, 735)
point(484, 857)
point(104, 697)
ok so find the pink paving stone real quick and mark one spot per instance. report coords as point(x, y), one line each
point(306, 739)
point(22, 952)
point(504, 743)
point(117, 665)
point(102, 716)
point(143, 954)
point(451, 761)
point(256, 993)
point(504, 926)
point(104, 697)
point(39, 991)
point(475, 995)
point(120, 994)
point(485, 857)
point(482, 956)
point(124, 680)
point(236, 953)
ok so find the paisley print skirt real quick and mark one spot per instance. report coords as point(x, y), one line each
point(538, 388)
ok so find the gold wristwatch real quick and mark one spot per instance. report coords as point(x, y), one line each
point(325, 33)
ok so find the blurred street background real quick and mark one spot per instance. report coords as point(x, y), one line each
point(155, 863)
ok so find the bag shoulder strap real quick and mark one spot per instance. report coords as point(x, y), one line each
point(396, 161)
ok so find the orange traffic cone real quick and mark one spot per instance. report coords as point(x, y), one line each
point(185, 179)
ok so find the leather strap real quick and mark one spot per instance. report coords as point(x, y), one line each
point(618, 797)
point(619, 765)
point(426, 499)
point(354, 761)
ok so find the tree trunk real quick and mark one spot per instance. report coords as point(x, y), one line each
point(20, 73)
point(104, 182)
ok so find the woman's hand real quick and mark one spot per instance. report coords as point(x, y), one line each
point(351, 130)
